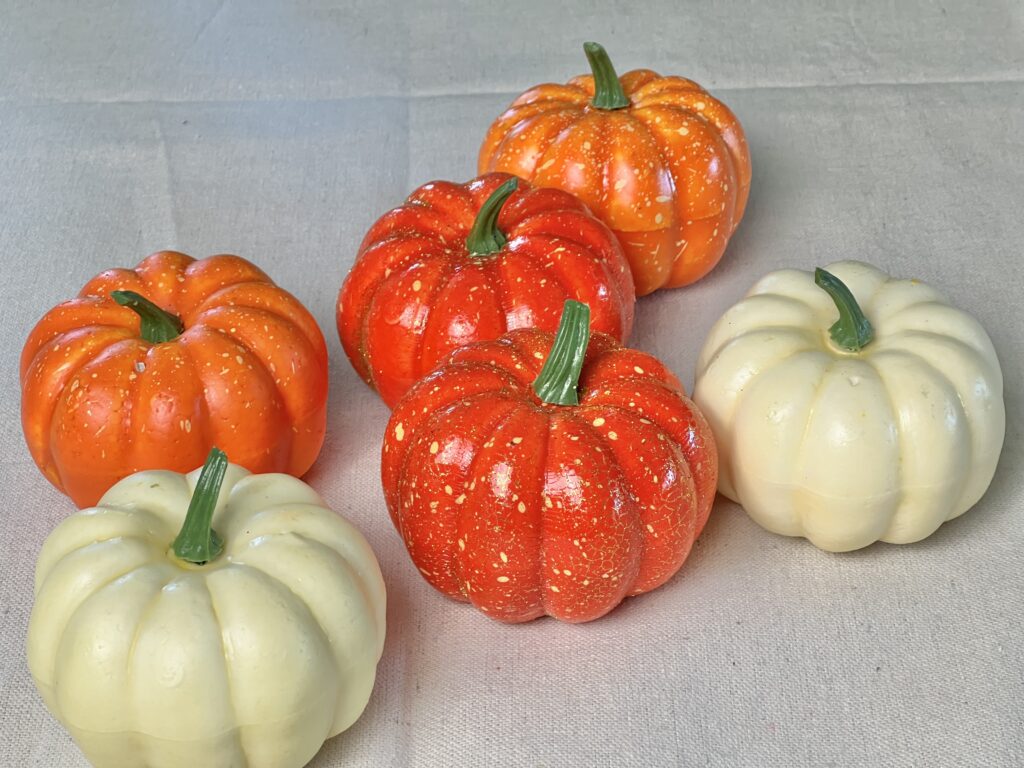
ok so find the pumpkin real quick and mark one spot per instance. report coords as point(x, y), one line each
point(149, 367)
point(458, 263)
point(158, 640)
point(658, 159)
point(851, 407)
point(539, 474)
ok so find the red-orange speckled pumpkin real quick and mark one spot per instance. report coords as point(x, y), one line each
point(525, 494)
point(458, 263)
point(658, 159)
point(150, 367)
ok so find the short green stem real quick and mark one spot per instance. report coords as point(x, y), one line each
point(485, 238)
point(157, 325)
point(608, 93)
point(852, 331)
point(197, 542)
point(558, 380)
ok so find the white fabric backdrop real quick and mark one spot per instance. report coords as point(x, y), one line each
point(890, 132)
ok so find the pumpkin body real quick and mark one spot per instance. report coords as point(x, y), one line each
point(251, 660)
point(249, 373)
point(848, 448)
point(416, 293)
point(524, 508)
point(669, 173)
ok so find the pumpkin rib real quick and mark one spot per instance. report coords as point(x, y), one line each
point(377, 292)
point(542, 533)
point(34, 344)
point(461, 370)
point(286, 588)
point(363, 309)
point(684, 223)
point(288, 437)
point(257, 352)
point(627, 481)
point(549, 141)
point(286, 596)
point(961, 405)
point(60, 399)
point(548, 92)
point(563, 279)
point(340, 558)
point(469, 478)
point(143, 616)
point(456, 202)
point(444, 279)
point(664, 150)
point(229, 684)
point(287, 308)
point(680, 461)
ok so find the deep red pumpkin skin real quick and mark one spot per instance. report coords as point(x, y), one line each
point(526, 509)
point(415, 292)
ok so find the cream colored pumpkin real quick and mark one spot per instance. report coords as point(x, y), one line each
point(850, 447)
point(251, 660)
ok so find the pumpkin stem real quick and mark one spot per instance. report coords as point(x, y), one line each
point(157, 324)
point(852, 331)
point(558, 380)
point(608, 93)
point(197, 542)
point(485, 238)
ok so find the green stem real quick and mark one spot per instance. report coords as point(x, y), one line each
point(852, 331)
point(157, 325)
point(198, 543)
point(485, 238)
point(608, 93)
point(558, 379)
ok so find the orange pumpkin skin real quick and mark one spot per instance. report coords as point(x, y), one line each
point(248, 374)
point(669, 173)
point(526, 509)
point(416, 291)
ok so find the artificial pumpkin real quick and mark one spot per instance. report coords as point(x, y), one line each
point(537, 474)
point(149, 367)
point(458, 263)
point(161, 642)
point(851, 407)
point(658, 159)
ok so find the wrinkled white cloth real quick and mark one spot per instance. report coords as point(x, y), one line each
point(881, 131)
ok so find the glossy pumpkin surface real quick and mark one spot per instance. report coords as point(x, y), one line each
point(459, 263)
point(242, 365)
point(526, 508)
point(658, 159)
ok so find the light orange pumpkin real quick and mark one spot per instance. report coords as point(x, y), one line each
point(662, 162)
point(149, 367)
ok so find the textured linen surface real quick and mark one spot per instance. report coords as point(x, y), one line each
point(884, 131)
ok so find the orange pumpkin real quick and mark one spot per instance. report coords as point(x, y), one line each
point(150, 367)
point(663, 163)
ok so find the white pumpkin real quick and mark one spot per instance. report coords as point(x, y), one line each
point(250, 660)
point(880, 425)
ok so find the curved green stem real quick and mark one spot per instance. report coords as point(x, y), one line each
point(558, 379)
point(197, 542)
point(485, 238)
point(608, 93)
point(852, 331)
point(157, 325)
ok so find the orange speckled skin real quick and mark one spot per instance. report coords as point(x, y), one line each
point(416, 293)
point(669, 174)
point(526, 509)
point(249, 375)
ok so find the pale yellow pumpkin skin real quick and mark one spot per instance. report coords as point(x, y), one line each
point(848, 448)
point(250, 661)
